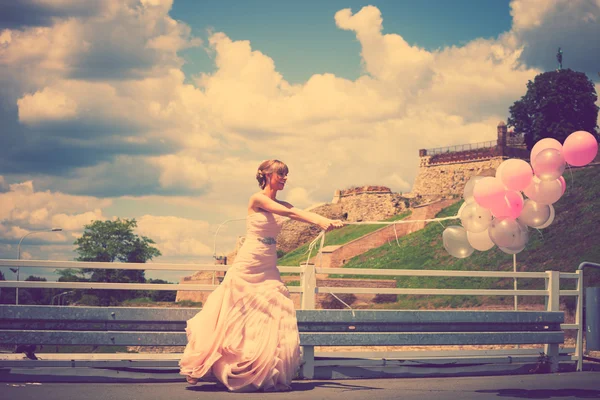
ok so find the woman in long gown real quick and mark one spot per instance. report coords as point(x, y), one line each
point(246, 335)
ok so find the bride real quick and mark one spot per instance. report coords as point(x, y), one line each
point(246, 335)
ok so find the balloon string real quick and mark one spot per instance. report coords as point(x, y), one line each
point(396, 235)
point(218, 229)
point(540, 232)
point(572, 179)
point(410, 221)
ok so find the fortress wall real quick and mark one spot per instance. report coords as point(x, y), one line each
point(446, 180)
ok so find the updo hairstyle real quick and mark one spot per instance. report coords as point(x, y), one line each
point(269, 167)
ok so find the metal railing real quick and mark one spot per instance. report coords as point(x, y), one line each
point(308, 288)
point(462, 147)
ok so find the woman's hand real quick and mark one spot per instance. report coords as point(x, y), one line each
point(330, 224)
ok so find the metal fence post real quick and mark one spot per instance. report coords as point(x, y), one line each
point(515, 281)
point(308, 283)
point(552, 350)
point(579, 321)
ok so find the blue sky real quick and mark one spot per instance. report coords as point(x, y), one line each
point(303, 39)
point(161, 110)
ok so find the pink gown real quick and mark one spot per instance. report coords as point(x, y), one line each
point(246, 334)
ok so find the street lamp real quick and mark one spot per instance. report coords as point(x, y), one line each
point(19, 253)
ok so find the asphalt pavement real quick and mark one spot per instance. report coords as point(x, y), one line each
point(567, 385)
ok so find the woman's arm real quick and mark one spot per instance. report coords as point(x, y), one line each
point(285, 209)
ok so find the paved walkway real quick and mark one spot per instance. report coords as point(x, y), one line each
point(569, 385)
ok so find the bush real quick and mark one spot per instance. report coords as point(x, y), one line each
point(89, 300)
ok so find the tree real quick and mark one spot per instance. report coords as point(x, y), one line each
point(35, 295)
point(556, 104)
point(160, 295)
point(109, 241)
point(7, 295)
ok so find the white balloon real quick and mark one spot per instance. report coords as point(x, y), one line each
point(468, 190)
point(522, 238)
point(480, 240)
point(508, 250)
point(534, 214)
point(475, 218)
point(550, 219)
point(544, 192)
point(549, 164)
point(505, 232)
point(549, 192)
point(462, 207)
point(455, 241)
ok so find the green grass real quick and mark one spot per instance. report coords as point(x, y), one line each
point(334, 238)
point(571, 239)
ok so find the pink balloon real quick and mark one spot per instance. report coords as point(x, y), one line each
point(515, 174)
point(510, 206)
point(500, 168)
point(580, 148)
point(488, 191)
point(563, 183)
point(546, 143)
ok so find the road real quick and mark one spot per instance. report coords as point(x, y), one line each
point(568, 385)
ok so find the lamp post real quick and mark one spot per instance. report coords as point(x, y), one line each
point(19, 253)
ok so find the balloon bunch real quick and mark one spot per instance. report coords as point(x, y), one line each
point(495, 213)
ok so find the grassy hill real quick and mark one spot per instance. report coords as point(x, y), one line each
point(336, 237)
point(572, 238)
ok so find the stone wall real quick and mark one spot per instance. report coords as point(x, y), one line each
point(443, 172)
point(449, 180)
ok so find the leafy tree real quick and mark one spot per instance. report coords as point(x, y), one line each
point(110, 241)
point(35, 295)
point(72, 275)
point(7, 295)
point(556, 104)
point(160, 295)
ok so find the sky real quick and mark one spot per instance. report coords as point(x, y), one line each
point(162, 110)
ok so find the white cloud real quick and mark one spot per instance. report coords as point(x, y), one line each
point(23, 209)
point(387, 57)
point(299, 197)
point(176, 236)
point(541, 27)
point(46, 105)
point(181, 171)
point(530, 14)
